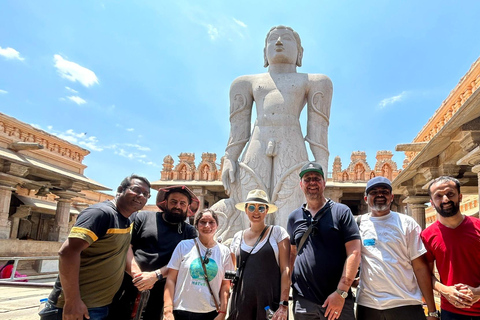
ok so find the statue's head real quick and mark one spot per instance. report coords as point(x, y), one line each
point(295, 36)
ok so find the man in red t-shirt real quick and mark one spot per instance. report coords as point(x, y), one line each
point(453, 243)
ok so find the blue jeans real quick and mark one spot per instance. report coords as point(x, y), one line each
point(50, 312)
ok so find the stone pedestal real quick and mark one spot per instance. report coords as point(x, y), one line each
point(5, 224)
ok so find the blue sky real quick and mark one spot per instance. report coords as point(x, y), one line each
point(134, 81)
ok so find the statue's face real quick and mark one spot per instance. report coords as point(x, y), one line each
point(281, 47)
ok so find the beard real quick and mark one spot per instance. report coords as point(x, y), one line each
point(449, 212)
point(380, 206)
point(175, 215)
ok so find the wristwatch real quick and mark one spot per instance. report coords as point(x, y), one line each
point(435, 314)
point(284, 303)
point(343, 294)
point(159, 275)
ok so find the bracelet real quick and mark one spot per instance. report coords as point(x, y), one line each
point(224, 312)
point(167, 306)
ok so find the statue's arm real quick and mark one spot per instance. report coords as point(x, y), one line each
point(319, 100)
point(241, 101)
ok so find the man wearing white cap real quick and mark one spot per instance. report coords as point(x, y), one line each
point(325, 239)
point(394, 272)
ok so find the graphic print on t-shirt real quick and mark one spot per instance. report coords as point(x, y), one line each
point(197, 274)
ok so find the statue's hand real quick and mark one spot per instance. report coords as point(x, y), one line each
point(228, 173)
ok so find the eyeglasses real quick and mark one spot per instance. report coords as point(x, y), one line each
point(312, 179)
point(203, 223)
point(208, 254)
point(260, 207)
point(138, 191)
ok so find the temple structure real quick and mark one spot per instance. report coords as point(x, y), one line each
point(448, 144)
point(42, 189)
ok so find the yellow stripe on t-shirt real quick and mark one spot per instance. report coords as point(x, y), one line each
point(116, 230)
point(83, 231)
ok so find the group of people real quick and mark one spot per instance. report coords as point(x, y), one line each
point(189, 274)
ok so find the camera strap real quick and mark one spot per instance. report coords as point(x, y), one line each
point(206, 276)
point(317, 217)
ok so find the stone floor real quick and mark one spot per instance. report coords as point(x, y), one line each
point(20, 302)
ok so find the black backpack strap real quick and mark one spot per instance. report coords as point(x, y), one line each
point(328, 205)
point(358, 219)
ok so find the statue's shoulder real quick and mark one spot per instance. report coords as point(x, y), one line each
point(247, 81)
point(315, 78)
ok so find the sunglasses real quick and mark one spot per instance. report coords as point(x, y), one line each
point(312, 179)
point(260, 207)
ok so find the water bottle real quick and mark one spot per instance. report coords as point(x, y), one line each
point(269, 313)
point(42, 305)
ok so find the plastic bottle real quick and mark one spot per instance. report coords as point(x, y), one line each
point(42, 304)
point(269, 313)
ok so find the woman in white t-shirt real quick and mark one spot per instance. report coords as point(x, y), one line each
point(262, 255)
point(187, 294)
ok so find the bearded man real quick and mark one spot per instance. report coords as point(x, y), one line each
point(452, 243)
point(154, 238)
point(394, 272)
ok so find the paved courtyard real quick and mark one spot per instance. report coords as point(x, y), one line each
point(20, 302)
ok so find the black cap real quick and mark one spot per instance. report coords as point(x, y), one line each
point(377, 182)
point(311, 166)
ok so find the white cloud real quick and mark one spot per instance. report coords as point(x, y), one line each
point(3, 91)
point(78, 135)
point(71, 90)
point(91, 143)
point(75, 72)
point(240, 23)
point(149, 163)
point(77, 100)
point(387, 101)
point(80, 139)
point(212, 31)
point(10, 53)
point(138, 147)
point(130, 129)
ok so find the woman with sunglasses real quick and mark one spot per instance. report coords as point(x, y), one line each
point(262, 255)
point(188, 296)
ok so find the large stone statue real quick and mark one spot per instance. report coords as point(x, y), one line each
point(275, 149)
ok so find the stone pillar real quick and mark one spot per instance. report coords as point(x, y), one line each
point(334, 193)
point(476, 169)
point(5, 198)
point(416, 208)
point(62, 216)
point(200, 193)
point(14, 228)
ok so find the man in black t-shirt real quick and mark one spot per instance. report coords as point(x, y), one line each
point(154, 238)
point(328, 257)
